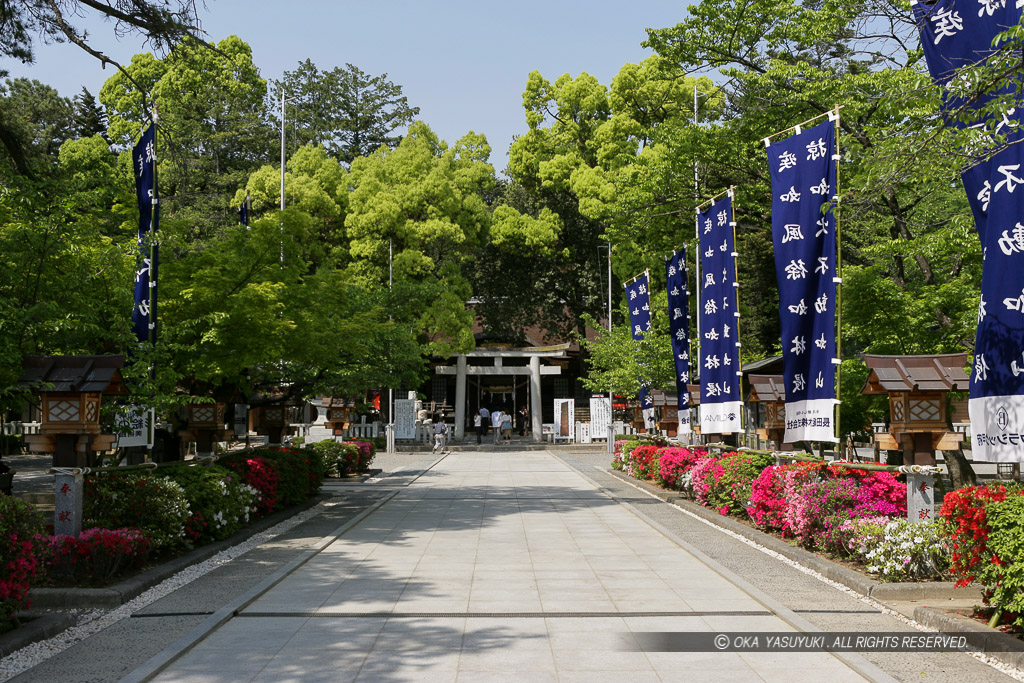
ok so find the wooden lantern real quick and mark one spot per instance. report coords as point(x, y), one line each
point(918, 388)
point(771, 391)
point(667, 410)
point(205, 426)
point(272, 421)
point(71, 389)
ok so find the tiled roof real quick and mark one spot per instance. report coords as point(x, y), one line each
point(84, 374)
point(942, 372)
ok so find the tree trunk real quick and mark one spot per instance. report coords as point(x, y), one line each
point(960, 471)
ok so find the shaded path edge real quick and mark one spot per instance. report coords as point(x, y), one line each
point(163, 659)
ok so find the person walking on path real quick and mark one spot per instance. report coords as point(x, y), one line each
point(478, 427)
point(440, 435)
point(506, 429)
point(496, 417)
point(485, 417)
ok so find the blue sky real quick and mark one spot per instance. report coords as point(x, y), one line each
point(464, 64)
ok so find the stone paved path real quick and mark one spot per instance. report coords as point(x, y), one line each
point(498, 566)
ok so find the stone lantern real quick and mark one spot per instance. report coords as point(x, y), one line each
point(771, 391)
point(71, 389)
point(339, 414)
point(918, 388)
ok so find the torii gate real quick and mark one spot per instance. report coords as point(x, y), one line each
point(535, 370)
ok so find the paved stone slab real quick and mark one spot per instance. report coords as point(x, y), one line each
point(488, 566)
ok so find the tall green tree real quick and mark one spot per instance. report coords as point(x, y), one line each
point(213, 126)
point(34, 122)
point(345, 110)
point(424, 200)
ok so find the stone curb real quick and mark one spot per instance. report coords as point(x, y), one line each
point(995, 644)
point(851, 579)
point(132, 587)
point(41, 627)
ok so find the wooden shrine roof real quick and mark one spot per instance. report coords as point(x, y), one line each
point(75, 374)
point(766, 388)
point(941, 372)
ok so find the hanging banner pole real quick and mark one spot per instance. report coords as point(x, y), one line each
point(736, 287)
point(798, 128)
point(839, 283)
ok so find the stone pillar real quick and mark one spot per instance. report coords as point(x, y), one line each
point(536, 408)
point(460, 397)
point(67, 503)
point(920, 497)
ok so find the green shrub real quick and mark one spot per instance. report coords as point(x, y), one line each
point(1004, 578)
point(220, 502)
point(379, 443)
point(154, 504)
point(21, 553)
point(329, 453)
point(299, 474)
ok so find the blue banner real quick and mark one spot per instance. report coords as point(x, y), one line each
point(638, 298)
point(144, 165)
point(679, 326)
point(803, 173)
point(957, 34)
point(720, 400)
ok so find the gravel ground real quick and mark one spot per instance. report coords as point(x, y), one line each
point(822, 603)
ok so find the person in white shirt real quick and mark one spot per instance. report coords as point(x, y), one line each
point(496, 417)
point(478, 427)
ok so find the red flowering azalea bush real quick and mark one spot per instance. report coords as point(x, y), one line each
point(984, 526)
point(725, 484)
point(294, 475)
point(97, 554)
point(21, 548)
point(818, 508)
point(155, 505)
point(365, 452)
point(881, 494)
point(260, 475)
point(768, 502)
point(674, 463)
point(643, 462)
point(702, 475)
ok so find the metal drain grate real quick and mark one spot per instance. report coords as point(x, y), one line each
point(500, 615)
